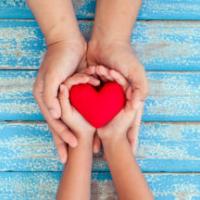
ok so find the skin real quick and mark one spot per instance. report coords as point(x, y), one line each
point(67, 52)
point(75, 182)
point(110, 46)
point(129, 182)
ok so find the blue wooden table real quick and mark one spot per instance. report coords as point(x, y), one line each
point(167, 40)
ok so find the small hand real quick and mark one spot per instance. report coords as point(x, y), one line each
point(125, 119)
point(70, 115)
point(120, 56)
point(119, 127)
point(60, 61)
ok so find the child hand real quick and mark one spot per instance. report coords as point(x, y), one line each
point(121, 124)
point(70, 115)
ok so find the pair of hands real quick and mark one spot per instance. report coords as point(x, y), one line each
point(62, 60)
point(118, 127)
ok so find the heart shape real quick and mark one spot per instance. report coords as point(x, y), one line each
point(98, 107)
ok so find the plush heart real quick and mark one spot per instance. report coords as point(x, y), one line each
point(98, 105)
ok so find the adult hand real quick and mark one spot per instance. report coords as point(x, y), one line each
point(120, 56)
point(60, 61)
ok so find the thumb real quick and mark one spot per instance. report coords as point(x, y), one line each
point(64, 100)
point(139, 84)
point(51, 86)
point(139, 92)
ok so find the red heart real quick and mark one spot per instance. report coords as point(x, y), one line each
point(98, 107)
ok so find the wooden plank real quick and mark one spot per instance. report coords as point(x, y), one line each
point(43, 186)
point(173, 96)
point(85, 9)
point(160, 45)
point(170, 147)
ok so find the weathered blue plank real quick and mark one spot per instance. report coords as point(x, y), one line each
point(167, 147)
point(31, 186)
point(85, 9)
point(160, 45)
point(173, 96)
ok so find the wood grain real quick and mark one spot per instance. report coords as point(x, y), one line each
point(160, 45)
point(43, 185)
point(169, 147)
point(173, 96)
point(85, 9)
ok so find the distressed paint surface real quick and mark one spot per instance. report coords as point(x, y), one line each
point(163, 147)
point(166, 89)
point(85, 9)
point(160, 45)
point(43, 185)
point(26, 147)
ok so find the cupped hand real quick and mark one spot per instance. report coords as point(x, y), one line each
point(120, 56)
point(119, 126)
point(70, 115)
point(60, 61)
point(124, 121)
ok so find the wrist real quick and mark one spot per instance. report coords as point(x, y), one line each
point(64, 45)
point(100, 48)
point(107, 43)
point(111, 146)
point(106, 35)
point(60, 32)
point(85, 139)
point(113, 138)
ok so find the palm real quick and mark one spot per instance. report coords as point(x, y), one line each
point(78, 123)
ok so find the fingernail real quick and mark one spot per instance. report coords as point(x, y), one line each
point(54, 114)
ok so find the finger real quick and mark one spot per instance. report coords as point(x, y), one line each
point(57, 125)
point(129, 103)
point(132, 140)
point(137, 99)
point(139, 83)
point(100, 75)
point(90, 70)
point(96, 144)
point(129, 93)
point(60, 146)
point(133, 99)
point(119, 78)
point(134, 131)
point(104, 72)
point(64, 101)
point(81, 79)
point(94, 81)
point(50, 91)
